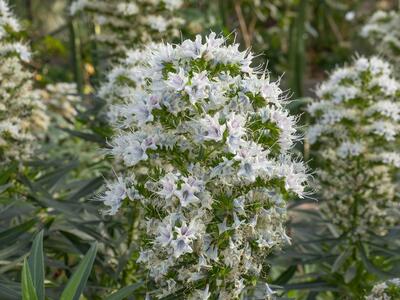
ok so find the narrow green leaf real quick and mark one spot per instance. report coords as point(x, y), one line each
point(76, 284)
point(89, 188)
point(36, 265)
point(10, 290)
point(340, 260)
point(4, 187)
point(53, 179)
point(10, 235)
point(370, 266)
point(350, 273)
point(124, 292)
point(6, 173)
point(28, 290)
point(311, 286)
point(86, 136)
point(286, 275)
point(13, 249)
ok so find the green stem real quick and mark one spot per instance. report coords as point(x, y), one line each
point(131, 238)
point(297, 50)
point(76, 58)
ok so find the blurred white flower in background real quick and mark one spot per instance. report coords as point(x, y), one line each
point(382, 29)
point(23, 118)
point(121, 25)
point(356, 140)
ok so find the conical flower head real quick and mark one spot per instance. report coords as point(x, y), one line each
point(355, 136)
point(206, 142)
point(22, 114)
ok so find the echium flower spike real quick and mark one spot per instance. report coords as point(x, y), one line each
point(22, 113)
point(124, 24)
point(206, 143)
point(355, 136)
point(382, 29)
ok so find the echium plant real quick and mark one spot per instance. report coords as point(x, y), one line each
point(61, 98)
point(355, 135)
point(388, 290)
point(123, 24)
point(123, 78)
point(206, 141)
point(382, 29)
point(22, 114)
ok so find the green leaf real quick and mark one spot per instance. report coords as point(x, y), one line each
point(28, 290)
point(76, 284)
point(6, 173)
point(36, 265)
point(286, 275)
point(10, 235)
point(340, 260)
point(13, 249)
point(124, 292)
point(370, 266)
point(350, 273)
point(52, 179)
point(89, 188)
point(86, 136)
point(10, 290)
point(4, 187)
point(311, 286)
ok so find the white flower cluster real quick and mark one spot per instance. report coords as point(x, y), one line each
point(382, 29)
point(205, 139)
point(356, 135)
point(388, 290)
point(22, 114)
point(62, 98)
point(124, 24)
point(125, 76)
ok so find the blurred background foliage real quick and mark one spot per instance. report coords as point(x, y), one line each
point(299, 39)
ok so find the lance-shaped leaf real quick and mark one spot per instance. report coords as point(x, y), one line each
point(28, 290)
point(77, 283)
point(36, 265)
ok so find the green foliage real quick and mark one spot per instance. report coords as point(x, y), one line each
point(76, 284)
point(54, 193)
point(32, 285)
point(28, 289)
point(36, 265)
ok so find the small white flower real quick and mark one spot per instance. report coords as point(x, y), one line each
point(157, 23)
point(270, 91)
point(186, 194)
point(177, 81)
point(166, 235)
point(185, 235)
point(201, 294)
point(197, 90)
point(113, 196)
point(169, 188)
point(210, 129)
point(349, 149)
point(236, 129)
